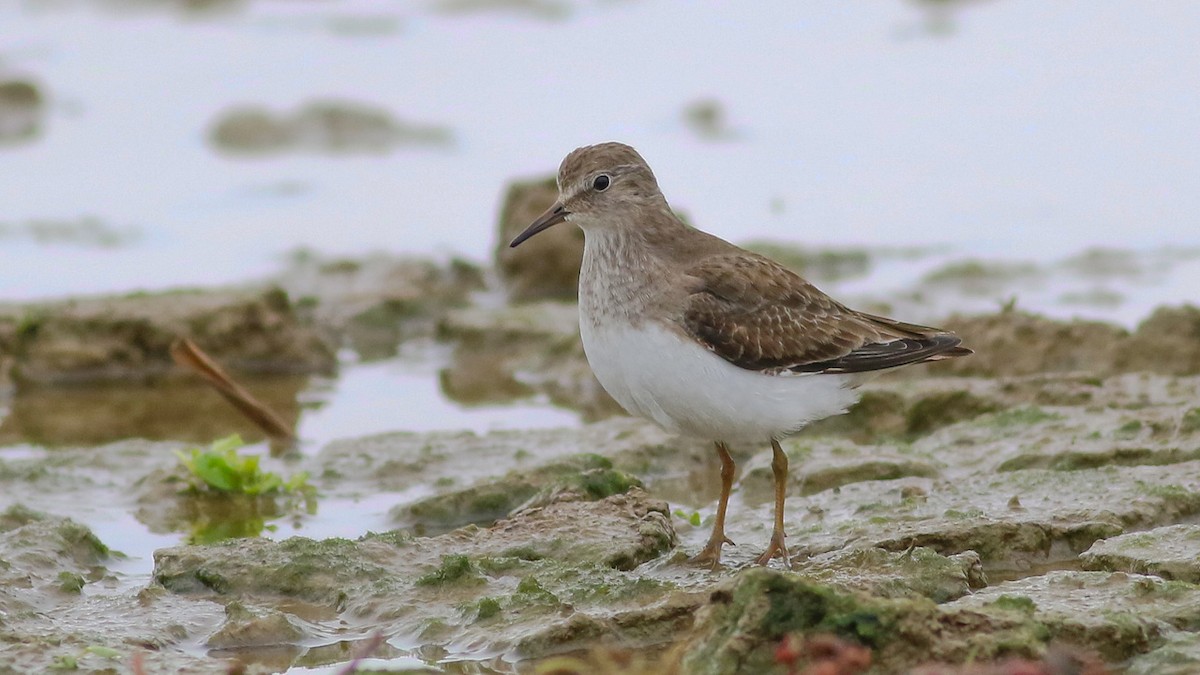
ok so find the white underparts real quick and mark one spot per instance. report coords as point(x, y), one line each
point(660, 374)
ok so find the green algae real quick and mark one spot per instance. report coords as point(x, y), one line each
point(1128, 431)
point(1017, 603)
point(591, 475)
point(1022, 417)
point(486, 608)
point(943, 409)
point(455, 569)
point(1081, 460)
point(1190, 422)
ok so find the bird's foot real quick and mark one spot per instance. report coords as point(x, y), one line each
point(775, 548)
point(711, 553)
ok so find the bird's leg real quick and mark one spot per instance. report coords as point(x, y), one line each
point(712, 550)
point(779, 466)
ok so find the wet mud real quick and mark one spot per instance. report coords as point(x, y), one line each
point(1042, 493)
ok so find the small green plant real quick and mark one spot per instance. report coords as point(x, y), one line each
point(693, 518)
point(220, 468)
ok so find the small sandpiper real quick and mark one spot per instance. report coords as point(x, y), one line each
point(705, 338)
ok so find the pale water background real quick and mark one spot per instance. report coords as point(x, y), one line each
point(1010, 129)
point(1013, 131)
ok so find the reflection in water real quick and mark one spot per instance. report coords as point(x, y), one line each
point(170, 410)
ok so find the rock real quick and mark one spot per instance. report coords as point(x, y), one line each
point(22, 111)
point(1115, 614)
point(1179, 654)
point(748, 617)
point(515, 580)
point(1018, 343)
point(128, 337)
point(1061, 514)
point(378, 301)
point(40, 552)
point(546, 266)
point(1167, 342)
point(333, 127)
point(589, 476)
point(50, 616)
point(919, 572)
point(1171, 552)
point(254, 627)
point(841, 465)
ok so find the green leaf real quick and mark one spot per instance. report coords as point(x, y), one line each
point(105, 652)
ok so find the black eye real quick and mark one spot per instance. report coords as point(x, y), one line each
point(601, 183)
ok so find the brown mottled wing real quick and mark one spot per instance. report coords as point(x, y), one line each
point(760, 316)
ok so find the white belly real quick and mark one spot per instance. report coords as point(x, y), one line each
point(687, 389)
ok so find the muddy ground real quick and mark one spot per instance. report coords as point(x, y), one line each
point(1043, 493)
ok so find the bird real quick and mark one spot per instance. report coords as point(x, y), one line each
point(707, 339)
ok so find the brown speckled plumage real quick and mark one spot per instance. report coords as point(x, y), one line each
point(759, 315)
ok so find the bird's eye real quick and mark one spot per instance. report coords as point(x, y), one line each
point(600, 183)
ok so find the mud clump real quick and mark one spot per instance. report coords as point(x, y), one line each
point(378, 301)
point(546, 266)
point(748, 617)
point(1168, 342)
point(1171, 552)
point(589, 476)
point(128, 337)
point(331, 127)
point(22, 111)
point(548, 578)
point(1018, 343)
point(883, 414)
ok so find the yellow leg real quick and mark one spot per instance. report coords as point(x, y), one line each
point(712, 550)
point(779, 466)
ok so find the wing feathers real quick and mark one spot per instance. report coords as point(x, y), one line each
point(760, 316)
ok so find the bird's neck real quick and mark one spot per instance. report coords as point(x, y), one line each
point(621, 275)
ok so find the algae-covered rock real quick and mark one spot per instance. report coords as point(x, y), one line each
point(1118, 616)
point(501, 588)
point(833, 468)
point(1171, 552)
point(748, 616)
point(1115, 614)
point(1179, 654)
point(590, 476)
point(43, 557)
point(379, 300)
point(439, 460)
point(1056, 513)
point(254, 627)
point(128, 337)
point(1168, 341)
point(1017, 343)
point(57, 604)
point(918, 572)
